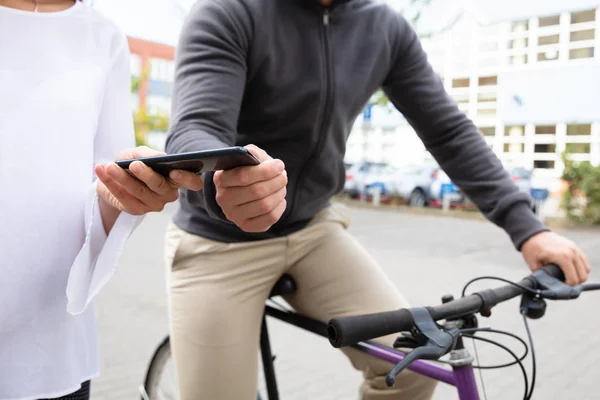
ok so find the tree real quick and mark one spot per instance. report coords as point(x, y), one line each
point(581, 200)
point(143, 121)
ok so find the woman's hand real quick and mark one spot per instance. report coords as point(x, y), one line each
point(146, 191)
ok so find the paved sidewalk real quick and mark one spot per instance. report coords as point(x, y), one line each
point(425, 256)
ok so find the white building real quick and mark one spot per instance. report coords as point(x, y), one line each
point(527, 73)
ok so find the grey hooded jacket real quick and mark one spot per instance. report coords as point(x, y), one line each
point(291, 76)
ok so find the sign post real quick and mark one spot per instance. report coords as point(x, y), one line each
point(448, 194)
point(367, 112)
point(538, 197)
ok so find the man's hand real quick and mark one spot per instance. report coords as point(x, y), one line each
point(253, 197)
point(550, 248)
point(149, 192)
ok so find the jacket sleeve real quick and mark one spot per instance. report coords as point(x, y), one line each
point(453, 140)
point(210, 78)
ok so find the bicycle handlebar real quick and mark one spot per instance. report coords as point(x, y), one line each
point(346, 331)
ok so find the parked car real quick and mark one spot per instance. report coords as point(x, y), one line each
point(383, 176)
point(357, 176)
point(413, 183)
point(521, 176)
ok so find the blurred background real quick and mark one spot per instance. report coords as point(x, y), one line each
point(526, 72)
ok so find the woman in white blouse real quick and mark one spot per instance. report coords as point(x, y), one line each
point(65, 115)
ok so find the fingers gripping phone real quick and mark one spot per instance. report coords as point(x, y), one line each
point(198, 161)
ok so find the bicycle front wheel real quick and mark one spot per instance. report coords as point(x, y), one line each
point(160, 382)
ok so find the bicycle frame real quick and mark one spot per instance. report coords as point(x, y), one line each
point(461, 375)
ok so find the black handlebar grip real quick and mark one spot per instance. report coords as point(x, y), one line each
point(555, 271)
point(347, 331)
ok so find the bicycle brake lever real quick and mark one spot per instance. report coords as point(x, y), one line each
point(555, 289)
point(434, 342)
point(427, 352)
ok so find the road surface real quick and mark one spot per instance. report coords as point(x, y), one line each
point(426, 256)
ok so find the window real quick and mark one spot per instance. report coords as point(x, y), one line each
point(548, 55)
point(579, 130)
point(486, 112)
point(162, 70)
point(520, 26)
point(518, 60)
point(549, 21)
point(545, 129)
point(461, 98)
point(550, 39)
point(488, 80)
point(514, 131)
point(170, 70)
point(488, 131)
point(486, 97)
point(583, 35)
point(135, 65)
point(460, 82)
point(518, 43)
point(583, 16)
point(156, 68)
point(545, 148)
point(543, 164)
point(581, 148)
point(576, 54)
point(514, 147)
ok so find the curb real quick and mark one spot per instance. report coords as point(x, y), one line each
point(554, 223)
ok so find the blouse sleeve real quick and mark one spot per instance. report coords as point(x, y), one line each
point(99, 256)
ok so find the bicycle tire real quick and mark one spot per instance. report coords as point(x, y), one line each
point(162, 355)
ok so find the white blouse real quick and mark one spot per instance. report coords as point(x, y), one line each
point(65, 104)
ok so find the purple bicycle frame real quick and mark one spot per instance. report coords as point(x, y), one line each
point(461, 377)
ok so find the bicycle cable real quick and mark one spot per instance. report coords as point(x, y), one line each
point(480, 371)
point(495, 278)
point(503, 347)
point(490, 330)
point(533, 363)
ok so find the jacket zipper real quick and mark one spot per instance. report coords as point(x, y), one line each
point(325, 119)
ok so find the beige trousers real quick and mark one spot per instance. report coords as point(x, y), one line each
point(217, 293)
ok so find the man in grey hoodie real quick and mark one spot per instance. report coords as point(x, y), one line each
point(287, 78)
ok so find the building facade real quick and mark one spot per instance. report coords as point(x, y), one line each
point(530, 84)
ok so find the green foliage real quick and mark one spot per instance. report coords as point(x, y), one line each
point(379, 99)
point(144, 122)
point(581, 200)
point(135, 84)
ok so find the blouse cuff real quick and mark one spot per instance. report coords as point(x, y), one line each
point(98, 259)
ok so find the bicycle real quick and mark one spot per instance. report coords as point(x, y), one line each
point(418, 329)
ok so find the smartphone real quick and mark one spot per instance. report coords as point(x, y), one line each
point(197, 161)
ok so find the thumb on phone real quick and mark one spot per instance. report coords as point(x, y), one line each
point(258, 153)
